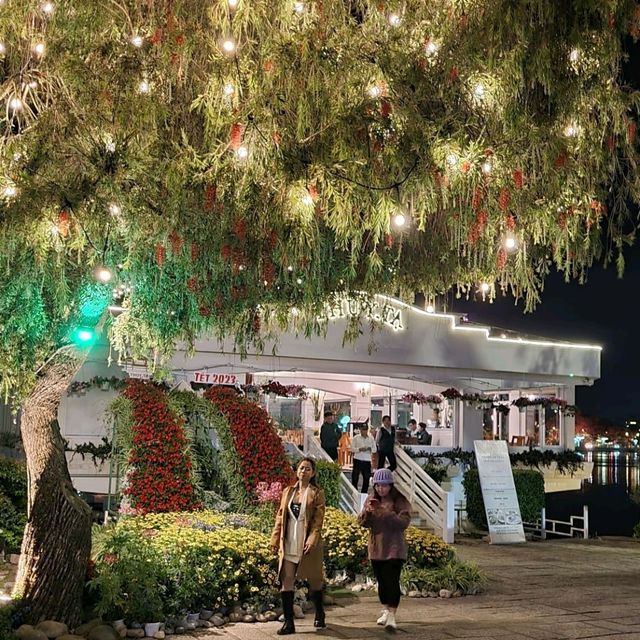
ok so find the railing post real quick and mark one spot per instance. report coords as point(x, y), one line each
point(543, 524)
point(449, 518)
point(585, 521)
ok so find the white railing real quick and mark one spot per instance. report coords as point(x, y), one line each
point(569, 529)
point(428, 498)
point(349, 495)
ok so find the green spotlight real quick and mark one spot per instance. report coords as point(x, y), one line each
point(83, 336)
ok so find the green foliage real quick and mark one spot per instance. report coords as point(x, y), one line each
point(636, 531)
point(453, 576)
point(130, 575)
point(529, 488)
point(13, 504)
point(566, 461)
point(437, 472)
point(328, 477)
point(345, 119)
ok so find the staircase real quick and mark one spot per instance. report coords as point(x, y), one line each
point(433, 507)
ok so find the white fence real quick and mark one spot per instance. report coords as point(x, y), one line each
point(432, 503)
point(576, 527)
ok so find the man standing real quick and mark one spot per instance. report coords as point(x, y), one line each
point(330, 435)
point(385, 442)
point(412, 427)
point(363, 447)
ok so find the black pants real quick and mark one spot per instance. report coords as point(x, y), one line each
point(332, 451)
point(361, 467)
point(387, 455)
point(387, 573)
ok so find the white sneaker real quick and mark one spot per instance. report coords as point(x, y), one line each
point(382, 620)
point(390, 624)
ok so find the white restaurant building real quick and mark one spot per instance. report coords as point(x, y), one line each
point(413, 351)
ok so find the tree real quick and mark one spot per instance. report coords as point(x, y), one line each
point(227, 161)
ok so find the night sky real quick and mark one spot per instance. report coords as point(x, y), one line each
point(603, 311)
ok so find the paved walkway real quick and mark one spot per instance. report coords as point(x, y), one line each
point(555, 590)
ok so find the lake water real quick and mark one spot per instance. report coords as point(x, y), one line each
point(613, 495)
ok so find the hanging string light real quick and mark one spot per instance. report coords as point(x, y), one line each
point(137, 41)
point(229, 45)
point(399, 219)
point(48, 8)
point(39, 49)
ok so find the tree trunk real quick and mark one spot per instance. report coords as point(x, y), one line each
point(57, 540)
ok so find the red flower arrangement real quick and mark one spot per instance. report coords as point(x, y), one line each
point(259, 448)
point(285, 391)
point(159, 479)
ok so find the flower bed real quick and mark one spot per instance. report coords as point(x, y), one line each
point(154, 567)
point(159, 474)
point(257, 445)
point(345, 543)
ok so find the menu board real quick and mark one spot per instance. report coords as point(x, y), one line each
point(499, 492)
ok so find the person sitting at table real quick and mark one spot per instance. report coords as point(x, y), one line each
point(412, 428)
point(424, 437)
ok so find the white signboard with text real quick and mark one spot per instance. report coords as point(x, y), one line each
point(206, 377)
point(499, 492)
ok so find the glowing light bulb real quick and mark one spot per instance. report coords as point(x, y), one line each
point(307, 199)
point(233, 4)
point(114, 209)
point(430, 308)
point(571, 130)
point(574, 56)
point(510, 243)
point(479, 91)
point(54, 230)
point(289, 268)
point(39, 48)
point(228, 89)
point(103, 274)
point(299, 280)
point(394, 20)
point(399, 220)
point(487, 167)
point(144, 87)
point(484, 287)
point(242, 152)
point(229, 45)
point(431, 48)
point(16, 104)
point(298, 7)
point(294, 311)
point(374, 91)
point(137, 41)
point(10, 191)
point(452, 159)
point(48, 8)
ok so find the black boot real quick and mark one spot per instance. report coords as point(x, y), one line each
point(287, 605)
point(316, 598)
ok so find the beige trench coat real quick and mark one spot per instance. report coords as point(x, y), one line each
point(310, 567)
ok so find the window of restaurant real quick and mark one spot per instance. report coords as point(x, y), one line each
point(551, 427)
point(533, 417)
point(404, 413)
point(287, 412)
point(487, 424)
point(378, 409)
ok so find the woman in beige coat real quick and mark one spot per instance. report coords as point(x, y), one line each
point(297, 539)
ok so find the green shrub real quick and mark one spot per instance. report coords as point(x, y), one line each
point(13, 504)
point(636, 531)
point(436, 472)
point(13, 482)
point(453, 576)
point(529, 488)
point(328, 477)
